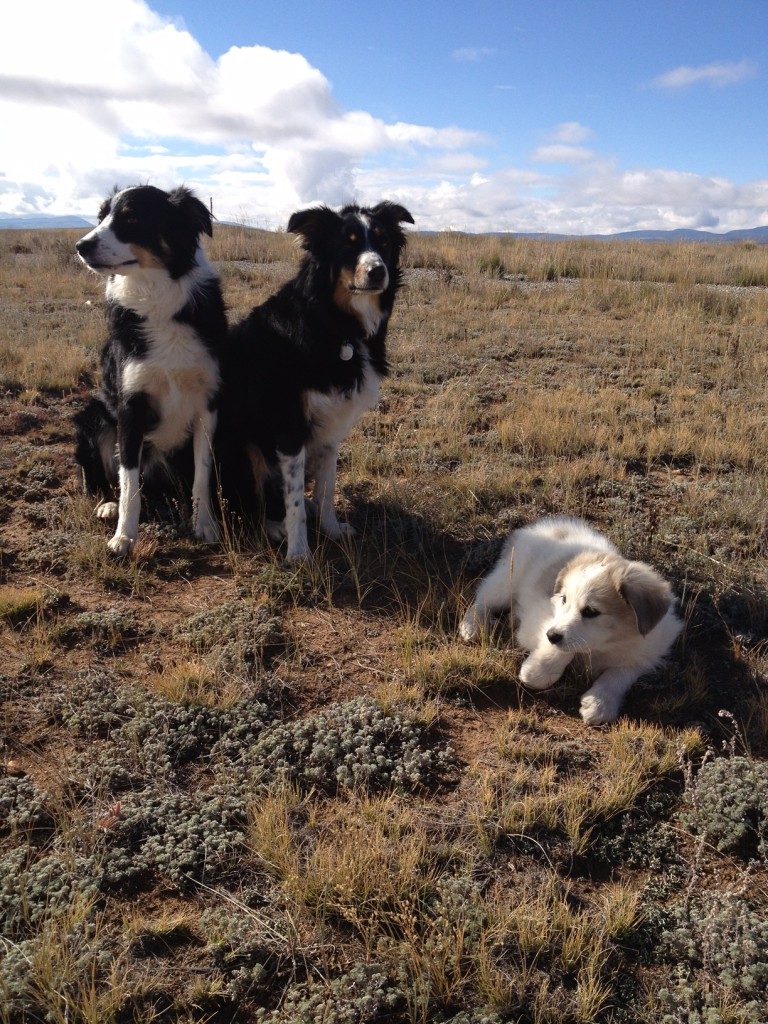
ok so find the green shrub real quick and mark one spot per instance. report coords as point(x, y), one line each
point(362, 996)
point(22, 805)
point(727, 804)
point(721, 946)
point(350, 745)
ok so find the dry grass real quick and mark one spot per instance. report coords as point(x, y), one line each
point(532, 881)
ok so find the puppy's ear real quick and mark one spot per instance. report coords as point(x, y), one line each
point(194, 212)
point(314, 226)
point(392, 212)
point(558, 585)
point(647, 594)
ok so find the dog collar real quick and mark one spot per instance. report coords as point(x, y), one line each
point(347, 351)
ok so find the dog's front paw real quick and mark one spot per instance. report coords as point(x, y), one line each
point(470, 627)
point(299, 554)
point(120, 545)
point(276, 531)
point(206, 531)
point(106, 510)
point(595, 710)
point(337, 530)
point(536, 676)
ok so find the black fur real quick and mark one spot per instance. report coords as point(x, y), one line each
point(166, 224)
point(162, 231)
point(289, 347)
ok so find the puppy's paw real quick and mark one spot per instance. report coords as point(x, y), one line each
point(595, 709)
point(120, 545)
point(470, 627)
point(106, 510)
point(536, 676)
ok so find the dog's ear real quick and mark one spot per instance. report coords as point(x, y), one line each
point(194, 212)
point(314, 226)
point(392, 213)
point(558, 585)
point(647, 594)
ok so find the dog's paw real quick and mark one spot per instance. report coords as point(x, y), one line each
point(596, 710)
point(206, 530)
point(120, 545)
point(276, 531)
point(337, 530)
point(470, 627)
point(106, 510)
point(536, 676)
point(298, 555)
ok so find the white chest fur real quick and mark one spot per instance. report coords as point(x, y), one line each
point(177, 372)
point(178, 375)
point(335, 413)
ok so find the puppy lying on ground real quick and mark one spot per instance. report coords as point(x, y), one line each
point(572, 594)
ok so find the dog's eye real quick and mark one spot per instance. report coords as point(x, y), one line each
point(589, 612)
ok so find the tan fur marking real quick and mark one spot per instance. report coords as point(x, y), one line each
point(145, 259)
point(258, 465)
point(603, 592)
point(342, 296)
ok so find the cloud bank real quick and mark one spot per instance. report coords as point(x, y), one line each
point(132, 96)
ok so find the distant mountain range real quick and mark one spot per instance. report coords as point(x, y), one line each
point(758, 235)
point(34, 222)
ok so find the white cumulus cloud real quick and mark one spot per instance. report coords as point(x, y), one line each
point(138, 90)
point(719, 75)
point(94, 94)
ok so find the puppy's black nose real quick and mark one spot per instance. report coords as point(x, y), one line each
point(86, 245)
point(377, 273)
point(554, 637)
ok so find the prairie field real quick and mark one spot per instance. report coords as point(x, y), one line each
point(233, 791)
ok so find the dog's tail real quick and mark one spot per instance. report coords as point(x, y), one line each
point(96, 447)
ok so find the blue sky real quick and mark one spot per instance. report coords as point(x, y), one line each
point(575, 116)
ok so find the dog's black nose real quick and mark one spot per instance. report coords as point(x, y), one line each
point(377, 273)
point(554, 637)
point(86, 245)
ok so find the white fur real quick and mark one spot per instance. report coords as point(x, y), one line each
point(111, 254)
point(177, 372)
point(366, 308)
point(333, 415)
point(611, 643)
point(180, 376)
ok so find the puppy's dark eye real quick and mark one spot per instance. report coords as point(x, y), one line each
point(589, 612)
point(562, 598)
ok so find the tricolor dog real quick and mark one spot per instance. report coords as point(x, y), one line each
point(302, 368)
point(152, 423)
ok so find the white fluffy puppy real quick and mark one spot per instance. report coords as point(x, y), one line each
point(572, 594)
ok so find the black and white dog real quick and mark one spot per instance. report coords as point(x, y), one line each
point(301, 369)
point(155, 413)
